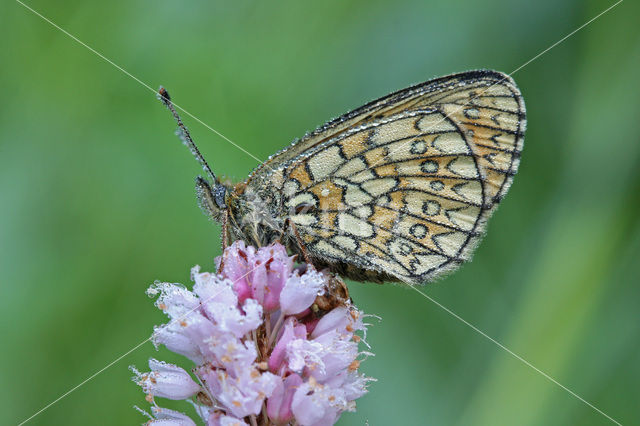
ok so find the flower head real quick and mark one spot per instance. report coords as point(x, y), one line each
point(266, 345)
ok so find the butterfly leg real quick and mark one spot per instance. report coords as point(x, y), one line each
point(224, 237)
point(301, 245)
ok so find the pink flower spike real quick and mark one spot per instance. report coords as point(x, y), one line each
point(279, 403)
point(166, 381)
point(299, 368)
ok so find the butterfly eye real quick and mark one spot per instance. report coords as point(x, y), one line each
point(219, 194)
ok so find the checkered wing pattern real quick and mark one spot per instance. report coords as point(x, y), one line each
point(403, 186)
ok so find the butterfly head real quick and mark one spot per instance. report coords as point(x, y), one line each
point(212, 199)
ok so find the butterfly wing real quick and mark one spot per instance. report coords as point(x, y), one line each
point(402, 187)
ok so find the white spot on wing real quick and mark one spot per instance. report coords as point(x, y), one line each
point(304, 198)
point(463, 166)
point(290, 188)
point(394, 130)
point(450, 242)
point(353, 166)
point(362, 176)
point(378, 187)
point(425, 262)
point(345, 242)
point(355, 197)
point(450, 143)
point(303, 219)
point(329, 250)
point(464, 218)
point(434, 122)
point(471, 191)
point(352, 225)
point(363, 212)
point(325, 162)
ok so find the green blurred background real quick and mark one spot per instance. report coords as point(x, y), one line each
point(97, 200)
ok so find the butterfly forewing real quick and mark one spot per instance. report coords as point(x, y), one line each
point(402, 187)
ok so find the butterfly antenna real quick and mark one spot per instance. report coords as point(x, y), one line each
point(184, 134)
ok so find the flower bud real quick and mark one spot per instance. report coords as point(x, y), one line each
point(167, 381)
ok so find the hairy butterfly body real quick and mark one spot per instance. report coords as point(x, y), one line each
point(399, 189)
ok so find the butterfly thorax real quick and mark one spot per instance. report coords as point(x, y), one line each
point(253, 216)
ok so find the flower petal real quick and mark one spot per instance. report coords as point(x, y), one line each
point(167, 381)
point(279, 403)
point(167, 417)
point(218, 418)
point(279, 351)
point(300, 291)
point(313, 406)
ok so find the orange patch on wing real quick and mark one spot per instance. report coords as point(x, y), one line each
point(501, 139)
point(388, 170)
point(327, 221)
point(490, 117)
point(354, 145)
point(366, 247)
point(374, 157)
point(301, 175)
point(397, 200)
point(382, 238)
point(494, 181)
point(383, 217)
point(329, 196)
point(428, 228)
point(324, 233)
point(490, 157)
point(404, 183)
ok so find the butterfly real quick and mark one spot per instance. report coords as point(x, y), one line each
point(398, 190)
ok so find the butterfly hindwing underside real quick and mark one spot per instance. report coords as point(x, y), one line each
point(401, 188)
